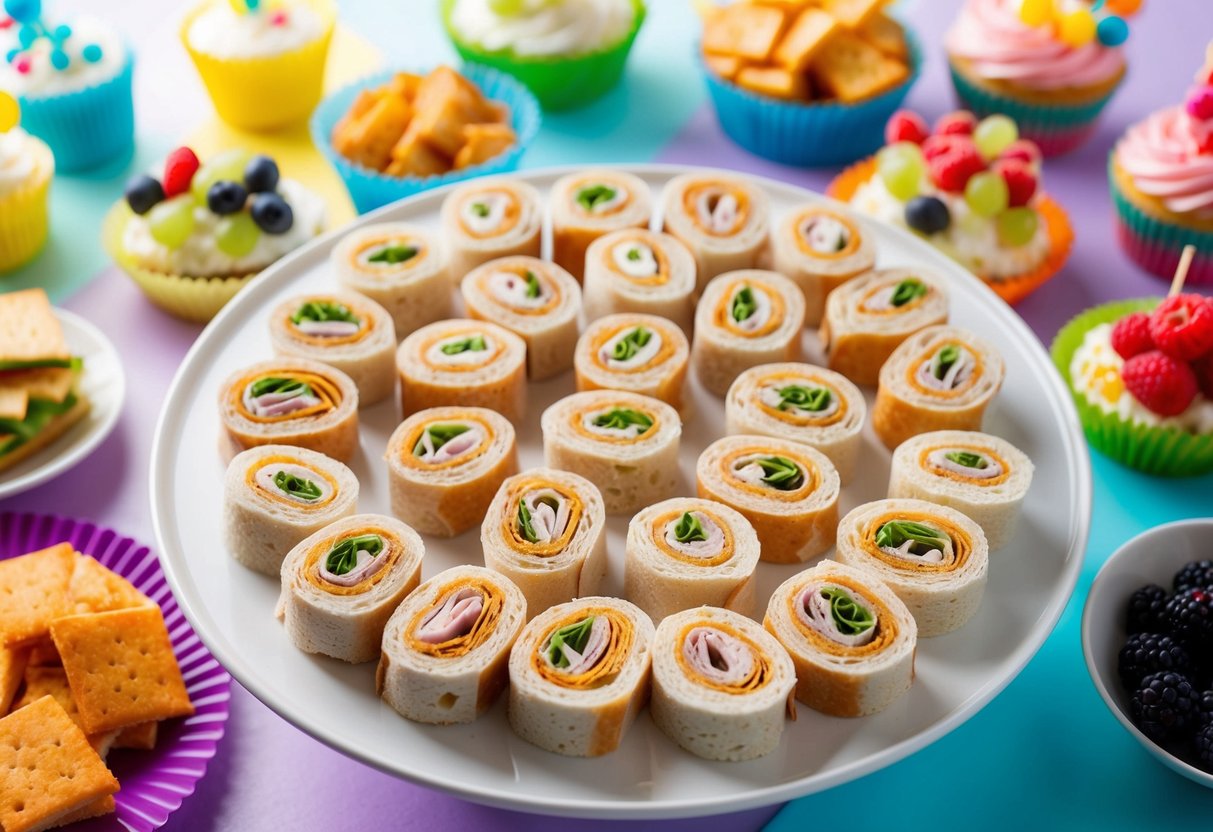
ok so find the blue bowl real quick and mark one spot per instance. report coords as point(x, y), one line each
point(370, 189)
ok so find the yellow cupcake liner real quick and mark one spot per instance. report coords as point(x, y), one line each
point(25, 221)
point(266, 93)
point(195, 299)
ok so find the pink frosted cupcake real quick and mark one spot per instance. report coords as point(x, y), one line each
point(1050, 66)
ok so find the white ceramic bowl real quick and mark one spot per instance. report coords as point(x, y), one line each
point(1153, 557)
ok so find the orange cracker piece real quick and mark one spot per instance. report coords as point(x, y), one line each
point(445, 103)
point(12, 671)
point(745, 31)
point(886, 34)
point(33, 592)
point(99, 807)
point(773, 81)
point(852, 70)
point(413, 157)
point(52, 771)
point(121, 668)
point(807, 34)
point(852, 13)
point(405, 85)
point(42, 653)
point(141, 737)
point(94, 588)
point(366, 134)
point(483, 142)
point(725, 66)
point(52, 681)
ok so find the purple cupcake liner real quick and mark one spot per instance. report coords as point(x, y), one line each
point(154, 783)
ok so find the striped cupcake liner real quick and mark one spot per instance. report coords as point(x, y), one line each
point(24, 223)
point(153, 783)
point(1056, 128)
point(1164, 452)
point(1156, 245)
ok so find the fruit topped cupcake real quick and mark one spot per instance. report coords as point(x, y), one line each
point(194, 236)
point(1051, 65)
point(1142, 377)
point(973, 190)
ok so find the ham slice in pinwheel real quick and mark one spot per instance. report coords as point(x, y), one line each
point(642, 272)
point(819, 249)
point(488, 219)
point(722, 219)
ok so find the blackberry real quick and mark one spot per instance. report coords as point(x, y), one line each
point(1204, 708)
point(1189, 619)
point(1196, 575)
point(1204, 748)
point(1146, 653)
point(1145, 609)
point(1164, 707)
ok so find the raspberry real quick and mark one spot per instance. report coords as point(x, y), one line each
point(906, 126)
point(936, 146)
point(952, 171)
point(1195, 575)
point(1146, 653)
point(1200, 103)
point(1161, 383)
point(1131, 335)
point(1182, 326)
point(1023, 150)
point(1165, 706)
point(1145, 609)
point(959, 123)
point(1203, 367)
point(1189, 620)
point(179, 170)
point(1020, 179)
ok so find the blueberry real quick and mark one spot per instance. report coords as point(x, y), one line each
point(927, 215)
point(261, 174)
point(226, 197)
point(272, 214)
point(143, 193)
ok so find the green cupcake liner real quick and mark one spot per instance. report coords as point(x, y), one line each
point(560, 83)
point(1156, 245)
point(1162, 452)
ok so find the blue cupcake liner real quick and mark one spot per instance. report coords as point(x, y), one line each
point(370, 189)
point(808, 135)
point(87, 128)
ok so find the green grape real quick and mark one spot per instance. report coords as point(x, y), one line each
point(901, 167)
point(227, 166)
point(987, 194)
point(172, 221)
point(993, 135)
point(236, 234)
point(1017, 226)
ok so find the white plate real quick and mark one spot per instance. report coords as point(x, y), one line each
point(103, 381)
point(648, 777)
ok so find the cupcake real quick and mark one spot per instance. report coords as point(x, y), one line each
point(1161, 177)
point(73, 81)
point(567, 52)
point(805, 84)
point(195, 236)
point(26, 168)
point(1051, 65)
point(1141, 373)
point(262, 62)
point(973, 190)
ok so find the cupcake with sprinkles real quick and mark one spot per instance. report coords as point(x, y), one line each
point(73, 81)
point(1161, 177)
point(26, 169)
point(1051, 65)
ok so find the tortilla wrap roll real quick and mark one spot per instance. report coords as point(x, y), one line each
point(587, 205)
point(635, 270)
point(722, 219)
point(487, 219)
point(819, 248)
point(637, 353)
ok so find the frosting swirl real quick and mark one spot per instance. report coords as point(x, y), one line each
point(1169, 156)
point(18, 159)
point(543, 28)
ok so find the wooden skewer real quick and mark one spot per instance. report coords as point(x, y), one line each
point(1181, 271)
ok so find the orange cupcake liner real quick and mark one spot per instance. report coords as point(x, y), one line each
point(1012, 289)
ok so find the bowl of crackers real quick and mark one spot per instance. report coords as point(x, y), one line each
point(809, 83)
point(399, 133)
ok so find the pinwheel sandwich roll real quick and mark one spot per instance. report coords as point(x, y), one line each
point(624, 443)
point(933, 557)
point(490, 218)
point(941, 378)
point(291, 401)
point(803, 403)
point(722, 219)
point(635, 270)
point(465, 363)
point(820, 248)
point(341, 584)
point(868, 317)
point(851, 638)
point(579, 675)
point(637, 353)
point(346, 331)
point(446, 648)
point(276, 495)
point(592, 203)
point(983, 476)
point(546, 531)
point(399, 266)
point(745, 319)
point(687, 552)
point(788, 492)
point(534, 299)
point(445, 464)
point(722, 685)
